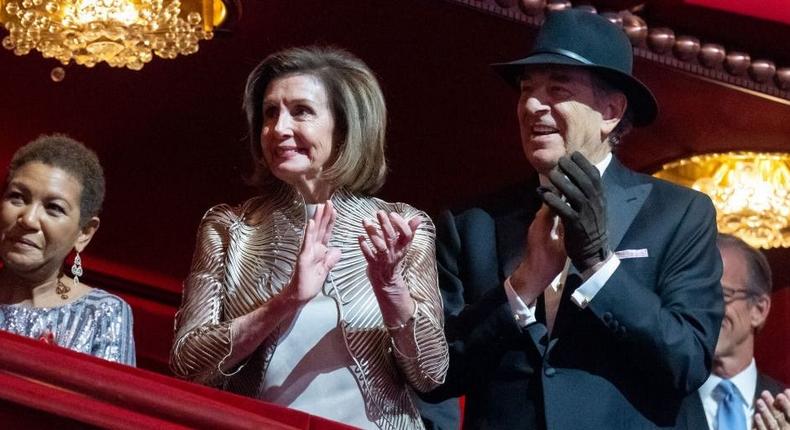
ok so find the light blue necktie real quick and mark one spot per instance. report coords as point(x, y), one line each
point(729, 415)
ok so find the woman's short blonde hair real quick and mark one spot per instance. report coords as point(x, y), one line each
point(357, 105)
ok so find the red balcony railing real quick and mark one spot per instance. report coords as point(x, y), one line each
point(43, 386)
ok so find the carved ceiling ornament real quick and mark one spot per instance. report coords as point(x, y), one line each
point(708, 60)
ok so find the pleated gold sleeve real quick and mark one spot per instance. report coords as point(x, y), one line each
point(203, 337)
point(245, 255)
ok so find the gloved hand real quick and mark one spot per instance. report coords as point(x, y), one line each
point(583, 213)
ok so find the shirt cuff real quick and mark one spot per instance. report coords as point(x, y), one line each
point(587, 291)
point(523, 314)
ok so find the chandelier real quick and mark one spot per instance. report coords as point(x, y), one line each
point(122, 33)
point(751, 192)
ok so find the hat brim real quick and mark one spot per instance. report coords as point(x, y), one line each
point(640, 98)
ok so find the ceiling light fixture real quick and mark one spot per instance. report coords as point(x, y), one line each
point(122, 33)
point(751, 192)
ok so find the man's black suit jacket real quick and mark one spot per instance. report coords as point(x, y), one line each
point(628, 359)
point(692, 414)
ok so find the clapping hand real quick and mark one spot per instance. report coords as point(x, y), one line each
point(583, 212)
point(316, 258)
point(772, 413)
point(391, 240)
point(544, 257)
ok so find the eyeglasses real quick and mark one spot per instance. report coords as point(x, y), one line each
point(731, 294)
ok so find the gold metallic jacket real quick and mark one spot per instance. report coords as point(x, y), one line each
point(245, 255)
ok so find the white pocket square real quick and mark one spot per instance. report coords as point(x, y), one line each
point(631, 253)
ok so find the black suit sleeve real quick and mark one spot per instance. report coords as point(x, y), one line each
point(479, 333)
point(765, 382)
point(670, 332)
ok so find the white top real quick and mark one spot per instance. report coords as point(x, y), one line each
point(745, 382)
point(310, 369)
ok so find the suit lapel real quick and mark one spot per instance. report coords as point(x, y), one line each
point(694, 413)
point(765, 382)
point(625, 195)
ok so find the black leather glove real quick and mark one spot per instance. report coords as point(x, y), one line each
point(583, 213)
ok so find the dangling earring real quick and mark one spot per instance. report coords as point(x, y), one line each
point(76, 268)
point(62, 289)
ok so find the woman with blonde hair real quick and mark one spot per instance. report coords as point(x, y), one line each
point(315, 295)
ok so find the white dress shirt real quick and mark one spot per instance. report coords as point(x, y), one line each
point(524, 314)
point(745, 381)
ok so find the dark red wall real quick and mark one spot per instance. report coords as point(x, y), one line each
point(172, 136)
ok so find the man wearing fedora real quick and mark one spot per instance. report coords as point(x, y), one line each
point(593, 303)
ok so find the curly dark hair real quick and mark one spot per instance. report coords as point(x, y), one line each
point(65, 153)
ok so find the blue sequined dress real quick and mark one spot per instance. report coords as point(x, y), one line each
point(98, 323)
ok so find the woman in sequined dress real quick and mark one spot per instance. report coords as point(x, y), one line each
point(52, 196)
point(315, 295)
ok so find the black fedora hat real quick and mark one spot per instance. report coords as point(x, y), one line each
point(578, 38)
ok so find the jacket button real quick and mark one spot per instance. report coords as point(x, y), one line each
point(607, 317)
point(549, 371)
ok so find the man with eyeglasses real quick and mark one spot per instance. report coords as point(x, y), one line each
point(736, 390)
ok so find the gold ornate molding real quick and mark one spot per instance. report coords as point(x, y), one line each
point(661, 45)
